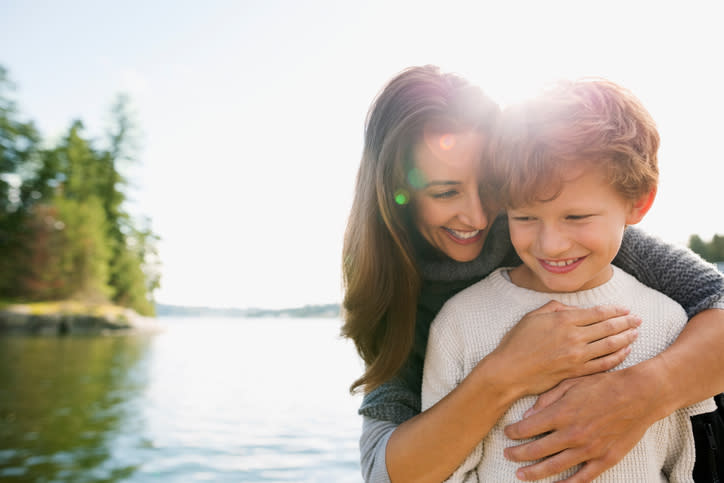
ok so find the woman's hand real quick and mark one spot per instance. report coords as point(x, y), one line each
point(593, 420)
point(557, 342)
point(596, 420)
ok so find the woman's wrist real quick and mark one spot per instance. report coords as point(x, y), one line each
point(651, 382)
point(688, 371)
point(495, 378)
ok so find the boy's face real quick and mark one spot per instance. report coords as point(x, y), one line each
point(567, 244)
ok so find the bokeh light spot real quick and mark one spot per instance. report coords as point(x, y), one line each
point(416, 178)
point(402, 197)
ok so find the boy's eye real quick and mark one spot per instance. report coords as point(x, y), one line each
point(522, 218)
point(577, 217)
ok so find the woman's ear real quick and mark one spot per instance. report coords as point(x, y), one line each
point(641, 207)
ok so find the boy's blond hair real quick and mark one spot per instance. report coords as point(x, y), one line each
point(589, 122)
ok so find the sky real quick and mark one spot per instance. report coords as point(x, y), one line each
point(252, 112)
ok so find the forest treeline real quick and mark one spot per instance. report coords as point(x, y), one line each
point(64, 231)
point(711, 251)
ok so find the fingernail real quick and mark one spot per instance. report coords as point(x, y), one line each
point(520, 474)
point(638, 321)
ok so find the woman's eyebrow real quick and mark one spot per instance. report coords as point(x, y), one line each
point(441, 183)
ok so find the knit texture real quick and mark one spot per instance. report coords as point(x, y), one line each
point(472, 324)
point(690, 281)
point(676, 272)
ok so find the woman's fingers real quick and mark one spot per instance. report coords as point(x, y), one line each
point(591, 315)
point(602, 364)
point(540, 422)
point(590, 468)
point(549, 397)
point(609, 327)
point(553, 466)
point(612, 343)
point(557, 342)
point(597, 420)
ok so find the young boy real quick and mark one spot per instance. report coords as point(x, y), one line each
point(572, 168)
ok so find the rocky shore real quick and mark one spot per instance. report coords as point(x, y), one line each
point(72, 318)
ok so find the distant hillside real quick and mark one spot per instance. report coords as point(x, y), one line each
point(329, 310)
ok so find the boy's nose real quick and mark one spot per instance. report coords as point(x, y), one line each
point(552, 243)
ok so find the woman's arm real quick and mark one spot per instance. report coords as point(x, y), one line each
point(674, 271)
point(612, 411)
point(597, 419)
point(372, 445)
point(431, 445)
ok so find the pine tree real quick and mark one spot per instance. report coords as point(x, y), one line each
point(64, 232)
point(712, 251)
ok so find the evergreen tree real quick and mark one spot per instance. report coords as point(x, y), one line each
point(18, 151)
point(133, 275)
point(712, 251)
point(698, 246)
point(63, 228)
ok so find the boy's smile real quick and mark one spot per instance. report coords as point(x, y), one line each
point(561, 266)
point(567, 244)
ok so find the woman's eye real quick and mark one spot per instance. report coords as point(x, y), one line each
point(445, 194)
point(523, 218)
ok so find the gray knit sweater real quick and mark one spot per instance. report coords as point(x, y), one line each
point(674, 271)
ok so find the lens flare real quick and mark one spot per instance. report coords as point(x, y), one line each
point(447, 142)
point(416, 178)
point(402, 197)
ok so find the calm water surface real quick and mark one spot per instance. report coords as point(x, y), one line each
point(219, 400)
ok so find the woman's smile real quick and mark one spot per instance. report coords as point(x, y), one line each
point(464, 237)
point(448, 195)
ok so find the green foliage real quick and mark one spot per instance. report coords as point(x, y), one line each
point(18, 148)
point(712, 251)
point(40, 268)
point(63, 229)
point(18, 144)
point(85, 254)
point(130, 283)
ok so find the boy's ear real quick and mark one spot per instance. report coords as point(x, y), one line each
point(641, 207)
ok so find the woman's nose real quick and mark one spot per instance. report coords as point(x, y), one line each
point(473, 214)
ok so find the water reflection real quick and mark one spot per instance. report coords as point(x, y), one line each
point(62, 404)
point(222, 400)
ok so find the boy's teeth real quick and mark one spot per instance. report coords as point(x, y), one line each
point(464, 235)
point(561, 263)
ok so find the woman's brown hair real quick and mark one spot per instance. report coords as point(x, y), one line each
point(380, 272)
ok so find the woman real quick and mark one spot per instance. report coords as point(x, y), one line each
point(419, 232)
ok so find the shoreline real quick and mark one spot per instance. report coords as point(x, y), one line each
point(71, 317)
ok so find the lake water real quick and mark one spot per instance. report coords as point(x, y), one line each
point(207, 399)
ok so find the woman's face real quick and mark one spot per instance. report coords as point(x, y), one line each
point(448, 211)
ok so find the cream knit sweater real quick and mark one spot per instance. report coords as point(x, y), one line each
point(471, 325)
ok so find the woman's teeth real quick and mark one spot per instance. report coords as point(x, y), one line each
point(463, 235)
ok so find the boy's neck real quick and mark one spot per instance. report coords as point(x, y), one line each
point(524, 277)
